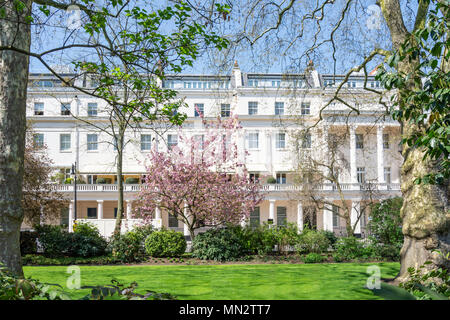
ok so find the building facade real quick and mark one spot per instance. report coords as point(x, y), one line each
point(287, 122)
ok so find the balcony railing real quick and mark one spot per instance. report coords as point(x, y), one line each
point(264, 187)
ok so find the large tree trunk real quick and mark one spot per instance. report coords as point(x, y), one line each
point(13, 94)
point(425, 214)
point(425, 211)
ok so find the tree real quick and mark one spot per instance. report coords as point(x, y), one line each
point(411, 41)
point(84, 33)
point(40, 201)
point(202, 182)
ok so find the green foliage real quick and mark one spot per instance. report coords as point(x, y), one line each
point(428, 284)
point(220, 244)
point(130, 247)
point(313, 258)
point(385, 223)
point(28, 242)
point(330, 236)
point(165, 243)
point(271, 180)
point(131, 180)
point(85, 241)
point(424, 106)
point(260, 240)
point(312, 241)
point(103, 181)
point(286, 237)
point(41, 260)
point(351, 248)
point(118, 291)
point(13, 288)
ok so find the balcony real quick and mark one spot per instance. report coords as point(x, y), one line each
point(81, 188)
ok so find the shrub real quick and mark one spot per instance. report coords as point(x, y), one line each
point(385, 223)
point(313, 258)
point(165, 243)
point(260, 240)
point(271, 180)
point(28, 242)
point(54, 240)
point(330, 236)
point(388, 251)
point(131, 180)
point(85, 241)
point(130, 246)
point(286, 237)
point(351, 248)
point(103, 180)
point(312, 241)
point(220, 244)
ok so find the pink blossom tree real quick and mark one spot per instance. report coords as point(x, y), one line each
point(202, 181)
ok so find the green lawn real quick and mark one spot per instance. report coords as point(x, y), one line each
point(211, 282)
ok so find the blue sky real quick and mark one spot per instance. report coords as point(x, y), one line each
point(279, 51)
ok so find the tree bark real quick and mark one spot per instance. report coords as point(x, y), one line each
point(13, 94)
point(425, 211)
point(120, 210)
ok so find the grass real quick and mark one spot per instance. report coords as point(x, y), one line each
point(228, 282)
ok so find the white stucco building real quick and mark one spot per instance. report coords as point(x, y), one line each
point(272, 109)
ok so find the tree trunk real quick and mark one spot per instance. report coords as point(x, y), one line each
point(120, 210)
point(425, 214)
point(13, 95)
point(425, 211)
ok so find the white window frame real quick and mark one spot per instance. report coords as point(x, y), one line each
point(90, 109)
point(253, 140)
point(65, 143)
point(252, 108)
point(38, 111)
point(146, 142)
point(92, 145)
point(280, 143)
point(279, 106)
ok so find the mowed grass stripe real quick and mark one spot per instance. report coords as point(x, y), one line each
point(228, 282)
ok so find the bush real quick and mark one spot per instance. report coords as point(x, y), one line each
point(271, 180)
point(165, 243)
point(313, 258)
point(260, 240)
point(330, 236)
point(286, 237)
point(221, 244)
point(103, 181)
point(385, 223)
point(131, 180)
point(28, 242)
point(54, 240)
point(85, 241)
point(130, 247)
point(388, 251)
point(312, 241)
point(351, 248)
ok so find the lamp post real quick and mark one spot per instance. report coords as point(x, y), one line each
point(74, 173)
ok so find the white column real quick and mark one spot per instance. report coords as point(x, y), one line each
point(325, 149)
point(157, 222)
point(71, 216)
point(327, 218)
point(272, 210)
point(380, 155)
point(129, 209)
point(353, 178)
point(99, 209)
point(356, 210)
point(300, 216)
point(157, 213)
point(267, 136)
